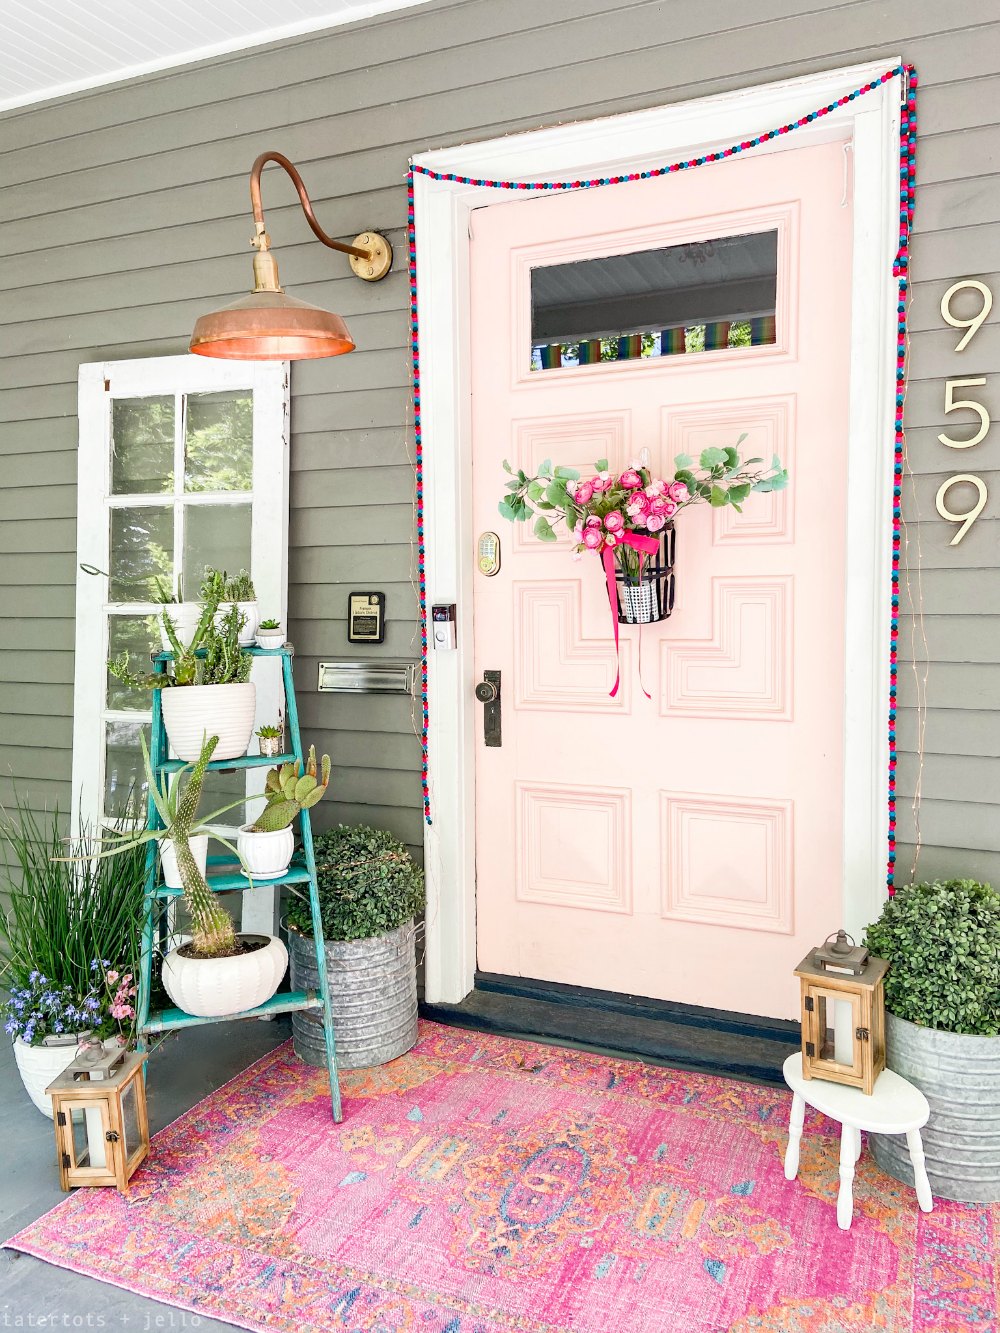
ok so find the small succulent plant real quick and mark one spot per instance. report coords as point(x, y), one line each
point(269, 732)
point(288, 791)
point(266, 625)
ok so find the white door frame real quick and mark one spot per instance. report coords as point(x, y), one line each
point(621, 144)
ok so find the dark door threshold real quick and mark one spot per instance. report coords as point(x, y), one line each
point(711, 1041)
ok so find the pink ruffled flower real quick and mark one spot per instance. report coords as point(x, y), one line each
point(593, 538)
point(614, 521)
point(659, 505)
point(584, 493)
point(602, 482)
point(593, 521)
point(669, 509)
point(638, 503)
point(678, 491)
point(655, 522)
point(655, 488)
point(629, 479)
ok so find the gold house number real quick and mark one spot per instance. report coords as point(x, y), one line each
point(967, 517)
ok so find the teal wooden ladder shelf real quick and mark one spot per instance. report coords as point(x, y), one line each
point(301, 874)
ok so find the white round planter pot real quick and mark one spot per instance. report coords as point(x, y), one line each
point(251, 618)
point(270, 639)
point(41, 1065)
point(213, 987)
point(192, 712)
point(185, 616)
point(168, 859)
point(265, 855)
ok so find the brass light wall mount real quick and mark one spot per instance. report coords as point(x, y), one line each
point(270, 325)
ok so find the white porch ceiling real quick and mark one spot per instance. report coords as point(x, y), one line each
point(54, 47)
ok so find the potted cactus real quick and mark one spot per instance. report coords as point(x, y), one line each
point(270, 739)
point(270, 634)
point(184, 616)
point(266, 846)
point(217, 971)
point(207, 690)
point(239, 592)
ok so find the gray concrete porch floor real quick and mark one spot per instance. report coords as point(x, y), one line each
point(37, 1295)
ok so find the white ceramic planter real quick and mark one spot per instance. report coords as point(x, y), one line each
point(212, 987)
point(270, 638)
point(251, 618)
point(168, 859)
point(192, 712)
point(185, 616)
point(41, 1065)
point(265, 855)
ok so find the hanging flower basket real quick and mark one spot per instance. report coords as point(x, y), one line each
point(628, 520)
point(645, 583)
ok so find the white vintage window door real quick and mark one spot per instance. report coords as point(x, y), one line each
point(687, 846)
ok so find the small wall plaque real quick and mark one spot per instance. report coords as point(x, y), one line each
point(366, 617)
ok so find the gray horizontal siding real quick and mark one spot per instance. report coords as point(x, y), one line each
point(123, 216)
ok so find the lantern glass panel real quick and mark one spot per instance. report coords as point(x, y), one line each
point(130, 1120)
point(837, 1016)
point(81, 1149)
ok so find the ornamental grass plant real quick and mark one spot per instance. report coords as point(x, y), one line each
point(943, 941)
point(368, 884)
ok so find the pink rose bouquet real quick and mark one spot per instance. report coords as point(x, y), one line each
point(602, 509)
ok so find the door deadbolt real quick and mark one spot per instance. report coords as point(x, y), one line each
point(488, 694)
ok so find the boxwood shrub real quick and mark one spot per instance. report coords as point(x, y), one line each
point(368, 884)
point(943, 940)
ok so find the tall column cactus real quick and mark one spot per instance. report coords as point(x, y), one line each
point(212, 929)
point(289, 790)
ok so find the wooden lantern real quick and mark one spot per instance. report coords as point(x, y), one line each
point(99, 1112)
point(843, 1014)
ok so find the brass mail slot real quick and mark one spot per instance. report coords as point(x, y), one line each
point(368, 677)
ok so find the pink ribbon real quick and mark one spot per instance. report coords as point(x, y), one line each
point(644, 545)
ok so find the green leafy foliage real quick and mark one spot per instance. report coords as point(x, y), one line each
point(213, 656)
point(57, 917)
point(368, 884)
point(943, 941)
point(269, 624)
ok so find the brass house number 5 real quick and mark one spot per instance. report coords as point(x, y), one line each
point(952, 404)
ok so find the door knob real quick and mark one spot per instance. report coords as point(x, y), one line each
point(488, 693)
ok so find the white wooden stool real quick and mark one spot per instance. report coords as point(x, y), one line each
point(895, 1107)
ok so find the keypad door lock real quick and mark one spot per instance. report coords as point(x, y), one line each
point(488, 694)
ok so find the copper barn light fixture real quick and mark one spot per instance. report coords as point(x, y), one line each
point(269, 325)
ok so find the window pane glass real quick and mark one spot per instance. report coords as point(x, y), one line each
point(216, 535)
point(139, 636)
point(124, 778)
point(142, 544)
point(142, 445)
point(700, 296)
point(218, 442)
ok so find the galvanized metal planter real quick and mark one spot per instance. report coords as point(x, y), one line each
point(373, 994)
point(960, 1077)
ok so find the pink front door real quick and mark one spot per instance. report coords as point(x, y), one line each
point(689, 846)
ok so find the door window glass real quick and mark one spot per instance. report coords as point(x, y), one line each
point(701, 296)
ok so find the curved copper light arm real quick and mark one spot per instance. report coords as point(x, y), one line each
point(262, 240)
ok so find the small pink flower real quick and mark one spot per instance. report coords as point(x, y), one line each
point(614, 521)
point(593, 521)
point(576, 555)
point(669, 509)
point(655, 522)
point(640, 520)
point(655, 488)
point(638, 503)
point(602, 482)
point(592, 539)
point(659, 505)
point(678, 491)
point(629, 479)
point(584, 493)
point(611, 540)
point(111, 978)
point(578, 529)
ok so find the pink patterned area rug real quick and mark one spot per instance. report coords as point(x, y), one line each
point(481, 1185)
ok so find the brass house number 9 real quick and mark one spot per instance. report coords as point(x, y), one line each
point(953, 403)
